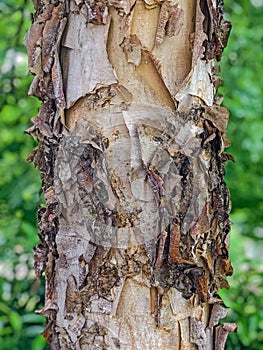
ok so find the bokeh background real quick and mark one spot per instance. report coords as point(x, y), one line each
point(241, 70)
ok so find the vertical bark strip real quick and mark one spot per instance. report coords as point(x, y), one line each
point(134, 236)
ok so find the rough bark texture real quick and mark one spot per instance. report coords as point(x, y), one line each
point(134, 237)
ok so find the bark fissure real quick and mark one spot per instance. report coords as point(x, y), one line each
point(134, 236)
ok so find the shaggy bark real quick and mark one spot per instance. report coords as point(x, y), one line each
point(135, 232)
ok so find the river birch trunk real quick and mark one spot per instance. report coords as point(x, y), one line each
point(134, 236)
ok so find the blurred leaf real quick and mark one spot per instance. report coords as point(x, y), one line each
point(15, 321)
point(39, 343)
point(4, 308)
point(32, 318)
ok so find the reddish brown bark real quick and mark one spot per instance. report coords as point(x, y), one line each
point(135, 232)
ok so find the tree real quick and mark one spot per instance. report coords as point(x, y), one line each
point(135, 230)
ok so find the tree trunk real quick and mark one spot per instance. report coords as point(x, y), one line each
point(135, 231)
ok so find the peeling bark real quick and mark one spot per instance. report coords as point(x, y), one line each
point(134, 237)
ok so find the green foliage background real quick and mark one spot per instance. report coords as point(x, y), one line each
point(20, 292)
point(243, 89)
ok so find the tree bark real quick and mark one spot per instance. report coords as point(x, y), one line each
point(134, 236)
